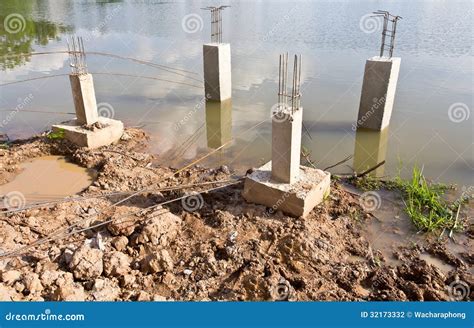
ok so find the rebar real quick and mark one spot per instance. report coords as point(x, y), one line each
point(77, 55)
point(389, 29)
point(216, 23)
point(295, 97)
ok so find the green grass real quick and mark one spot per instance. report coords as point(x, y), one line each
point(424, 202)
point(56, 135)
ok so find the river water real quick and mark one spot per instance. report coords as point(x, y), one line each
point(432, 121)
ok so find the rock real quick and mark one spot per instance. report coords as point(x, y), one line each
point(143, 296)
point(69, 292)
point(127, 280)
point(49, 277)
point(120, 243)
point(116, 264)
point(86, 263)
point(187, 272)
point(157, 262)
point(123, 223)
point(10, 277)
point(224, 169)
point(8, 294)
point(159, 298)
point(160, 230)
point(105, 290)
point(32, 283)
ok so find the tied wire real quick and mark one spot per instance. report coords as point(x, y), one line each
point(389, 30)
point(283, 97)
point(216, 23)
point(77, 55)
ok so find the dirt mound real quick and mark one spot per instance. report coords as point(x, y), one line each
point(209, 246)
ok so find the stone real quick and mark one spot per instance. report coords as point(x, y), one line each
point(69, 292)
point(160, 229)
point(378, 92)
point(10, 277)
point(127, 280)
point(143, 296)
point(120, 243)
point(296, 199)
point(105, 290)
point(32, 283)
point(122, 225)
point(110, 132)
point(217, 71)
point(116, 264)
point(160, 261)
point(86, 263)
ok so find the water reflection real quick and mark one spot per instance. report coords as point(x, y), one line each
point(218, 123)
point(19, 32)
point(370, 149)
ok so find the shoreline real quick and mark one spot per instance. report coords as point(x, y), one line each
point(203, 243)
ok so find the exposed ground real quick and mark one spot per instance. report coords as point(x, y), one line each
point(217, 247)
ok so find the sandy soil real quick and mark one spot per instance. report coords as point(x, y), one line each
point(210, 247)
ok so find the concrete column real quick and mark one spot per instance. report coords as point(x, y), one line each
point(217, 71)
point(370, 149)
point(82, 86)
point(218, 123)
point(378, 92)
point(286, 145)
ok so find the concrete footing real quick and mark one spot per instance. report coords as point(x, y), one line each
point(105, 132)
point(83, 93)
point(378, 92)
point(217, 71)
point(296, 199)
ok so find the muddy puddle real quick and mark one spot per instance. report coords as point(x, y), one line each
point(47, 178)
point(390, 228)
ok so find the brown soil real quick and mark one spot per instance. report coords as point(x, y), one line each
point(227, 249)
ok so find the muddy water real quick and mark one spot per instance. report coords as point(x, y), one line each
point(48, 178)
point(391, 228)
point(433, 40)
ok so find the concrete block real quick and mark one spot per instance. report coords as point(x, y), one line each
point(218, 123)
point(378, 92)
point(370, 149)
point(83, 93)
point(286, 144)
point(296, 199)
point(110, 131)
point(217, 71)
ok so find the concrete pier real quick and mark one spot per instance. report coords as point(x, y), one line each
point(88, 129)
point(378, 92)
point(282, 184)
point(218, 123)
point(82, 86)
point(217, 71)
point(286, 145)
point(369, 150)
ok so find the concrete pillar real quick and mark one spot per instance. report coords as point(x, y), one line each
point(82, 86)
point(217, 71)
point(378, 92)
point(370, 149)
point(218, 123)
point(286, 145)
